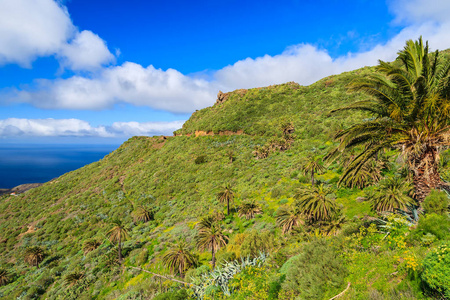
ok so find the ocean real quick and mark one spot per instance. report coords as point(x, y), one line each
point(21, 164)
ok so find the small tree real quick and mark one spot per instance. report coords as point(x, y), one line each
point(249, 210)
point(179, 258)
point(90, 245)
point(316, 204)
point(391, 194)
point(118, 234)
point(34, 255)
point(289, 217)
point(226, 196)
point(210, 237)
point(311, 167)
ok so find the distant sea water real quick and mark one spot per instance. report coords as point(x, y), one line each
point(21, 164)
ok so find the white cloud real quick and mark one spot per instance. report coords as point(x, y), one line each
point(86, 51)
point(13, 127)
point(173, 91)
point(129, 83)
point(418, 11)
point(35, 28)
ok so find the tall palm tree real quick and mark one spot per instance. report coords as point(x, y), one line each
point(179, 258)
point(210, 237)
point(312, 167)
point(34, 255)
point(410, 107)
point(391, 194)
point(249, 210)
point(118, 234)
point(315, 203)
point(289, 217)
point(226, 196)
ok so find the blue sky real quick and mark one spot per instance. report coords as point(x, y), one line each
point(103, 71)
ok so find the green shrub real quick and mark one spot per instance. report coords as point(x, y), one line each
point(257, 242)
point(177, 295)
point(436, 270)
point(436, 202)
point(200, 159)
point(315, 272)
point(437, 225)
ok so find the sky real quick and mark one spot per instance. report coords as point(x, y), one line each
point(95, 71)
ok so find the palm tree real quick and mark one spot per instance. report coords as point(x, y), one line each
point(90, 245)
point(316, 204)
point(249, 210)
point(179, 258)
point(311, 167)
point(142, 214)
point(410, 108)
point(73, 278)
point(34, 255)
point(210, 237)
point(4, 277)
point(226, 195)
point(390, 195)
point(289, 217)
point(118, 234)
point(369, 173)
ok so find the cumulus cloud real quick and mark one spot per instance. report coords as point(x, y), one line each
point(129, 83)
point(34, 28)
point(173, 91)
point(417, 11)
point(86, 51)
point(14, 127)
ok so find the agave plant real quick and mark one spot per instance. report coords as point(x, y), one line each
point(221, 276)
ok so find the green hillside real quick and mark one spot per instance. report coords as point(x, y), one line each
point(177, 180)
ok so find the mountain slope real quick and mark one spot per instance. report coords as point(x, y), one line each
point(179, 177)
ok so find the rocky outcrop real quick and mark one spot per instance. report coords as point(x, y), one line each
point(222, 97)
point(20, 188)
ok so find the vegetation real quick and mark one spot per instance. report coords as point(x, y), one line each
point(409, 105)
point(357, 222)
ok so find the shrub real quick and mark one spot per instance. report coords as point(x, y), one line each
point(314, 272)
point(436, 270)
point(177, 295)
point(438, 225)
point(256, 242)
point(200, 159)
point(436, 202)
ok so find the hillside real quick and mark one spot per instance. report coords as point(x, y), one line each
point(179, 178)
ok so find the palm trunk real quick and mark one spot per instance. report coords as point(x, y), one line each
point(426, 174)
point(120, 251)
point(312, 178)
point(228, 207)
point(213, 257)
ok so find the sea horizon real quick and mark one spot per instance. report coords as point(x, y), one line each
point(39, 163)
